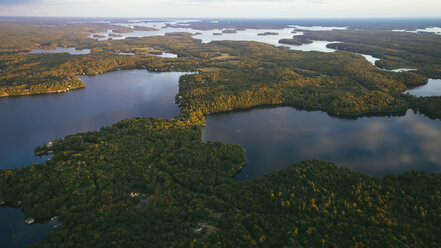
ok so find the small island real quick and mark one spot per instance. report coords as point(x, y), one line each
point(229, 31)
point(268, 33)
point(179, 34)
point(141, 28)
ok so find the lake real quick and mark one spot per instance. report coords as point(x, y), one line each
point(14, 233)
point(107, 99)
point(210, 35)
point(435, 30)
point(432, 88)
point(70, 50)
point(275, 138)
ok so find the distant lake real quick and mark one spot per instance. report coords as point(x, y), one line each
point(275, 138)
point(70, 50)
point(167, 55)
point(163, 55)
point(435, 30)
point(107, 99)
point(241, 35)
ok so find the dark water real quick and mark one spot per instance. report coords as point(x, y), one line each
point(32, 120)
point(276, 138)
point(108, 98)
point(15, 233)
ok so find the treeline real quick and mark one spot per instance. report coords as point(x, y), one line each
point(429, 106)
point(54, 86)
point(221, 91)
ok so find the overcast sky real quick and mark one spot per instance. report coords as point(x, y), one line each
point(222, 8)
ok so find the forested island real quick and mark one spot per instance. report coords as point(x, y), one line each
point(297, 41)
point(152, 182)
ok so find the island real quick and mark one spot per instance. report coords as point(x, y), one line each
point(268, 33)
point(141, 28)
point(229, 31)
point(296, 40)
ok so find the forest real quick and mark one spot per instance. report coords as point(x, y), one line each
point(152, 182)
point(232, 74)
point(394, 49)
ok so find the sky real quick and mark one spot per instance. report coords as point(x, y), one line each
point(223, 8)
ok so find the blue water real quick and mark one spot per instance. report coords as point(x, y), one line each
point(108, 98)
point(31, 120)
point(14, 233)
point(275, 138)
point(432, 88)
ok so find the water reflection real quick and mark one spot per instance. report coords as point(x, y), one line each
point(275, 138)
point(108, 98)
point(432, 88)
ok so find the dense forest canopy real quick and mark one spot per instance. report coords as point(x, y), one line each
point(152, 182)
point(236, 74)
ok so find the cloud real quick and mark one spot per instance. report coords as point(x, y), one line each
point(18, 2)
point(222, 8)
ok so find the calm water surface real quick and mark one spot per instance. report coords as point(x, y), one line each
point(241, 35)
point(14, 233)
point(435, 30)
point(276, 138)
point(107, 98)
point(432, 88)
point(70, 50)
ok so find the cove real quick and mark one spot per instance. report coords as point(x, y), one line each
point(275, 138)
point(107, 99)
point(33, 120)
point(432, 88)
point(14, 233)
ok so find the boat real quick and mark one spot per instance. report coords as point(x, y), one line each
point(29, 221)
